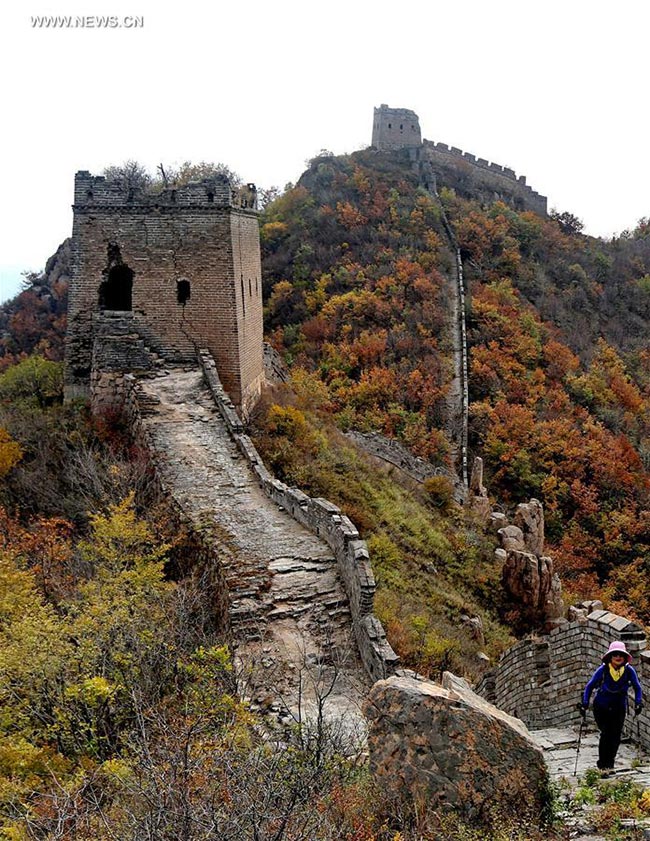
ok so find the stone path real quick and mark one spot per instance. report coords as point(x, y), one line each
point(560, 745)
point(289, 614)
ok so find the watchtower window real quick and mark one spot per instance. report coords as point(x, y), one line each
point(210, 197)
point(389, 125)
point(115, 292)
point(182, 291)
point(89, 195)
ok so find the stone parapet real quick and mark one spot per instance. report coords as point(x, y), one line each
point(325, 520)
point(475, 172)
point(540, 680)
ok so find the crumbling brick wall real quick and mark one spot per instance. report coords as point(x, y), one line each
point(191, 261)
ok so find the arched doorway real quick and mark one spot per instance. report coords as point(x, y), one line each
point(116, 291)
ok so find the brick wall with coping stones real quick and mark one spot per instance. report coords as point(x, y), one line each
point(499, 181)
point(541, 680)
point(326, 520)
point(196, 233)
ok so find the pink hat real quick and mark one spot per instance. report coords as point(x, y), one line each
point(617, 648)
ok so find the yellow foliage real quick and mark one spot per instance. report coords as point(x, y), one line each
point(271, 232)
point(121, 541)
point(10, 453)
point(644, 802)
point(287, 421)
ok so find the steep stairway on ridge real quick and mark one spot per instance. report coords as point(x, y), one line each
point(289, 614)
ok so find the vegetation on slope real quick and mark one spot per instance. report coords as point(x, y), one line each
point(35, 320)
point(354, 290)
point(118, 710)
point(432, 567)
point(118, 716)
point(552, 416)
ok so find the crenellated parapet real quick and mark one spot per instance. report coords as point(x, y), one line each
point(469, 175)
point(474, 173)
point(95, 192)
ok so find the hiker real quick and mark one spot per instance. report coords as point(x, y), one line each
point(611, 681)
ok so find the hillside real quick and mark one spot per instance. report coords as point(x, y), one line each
point(355, 260)
point(132, 680)
point(34, 321)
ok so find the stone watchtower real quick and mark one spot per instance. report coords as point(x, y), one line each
point(180, 269)
point(395, 128)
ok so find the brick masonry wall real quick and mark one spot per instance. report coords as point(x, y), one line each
point(467, 173)
point(395, 128)
point(215, 247)
point(541, 680)
point(326, 520)
point(247, 270)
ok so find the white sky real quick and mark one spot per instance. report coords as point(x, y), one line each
point(557, 90)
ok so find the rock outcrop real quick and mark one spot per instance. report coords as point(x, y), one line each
point(448, 747)
point(477, 499)
point(531, 581)
point(529, 516)
point(528, 575)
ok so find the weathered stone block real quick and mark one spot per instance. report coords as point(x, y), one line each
point(448, 747)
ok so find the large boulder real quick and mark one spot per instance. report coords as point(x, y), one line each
point(447, 747)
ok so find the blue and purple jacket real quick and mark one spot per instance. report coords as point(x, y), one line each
point(612, 693)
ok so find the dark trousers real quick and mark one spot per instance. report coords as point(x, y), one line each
point(610, 722)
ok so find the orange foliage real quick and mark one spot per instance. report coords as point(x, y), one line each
point(45, 547)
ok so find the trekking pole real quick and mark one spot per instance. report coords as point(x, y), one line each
point(583, 720)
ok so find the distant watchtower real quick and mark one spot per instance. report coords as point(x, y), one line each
point(180, 268)
point(395, 128)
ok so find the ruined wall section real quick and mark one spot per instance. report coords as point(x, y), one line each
point(248, 309)
point(471, 176)
point(325, 520)
point(195, 257)
point(541, 680)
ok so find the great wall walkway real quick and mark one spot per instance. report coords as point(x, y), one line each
point(289, 614)
point(560, 745)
